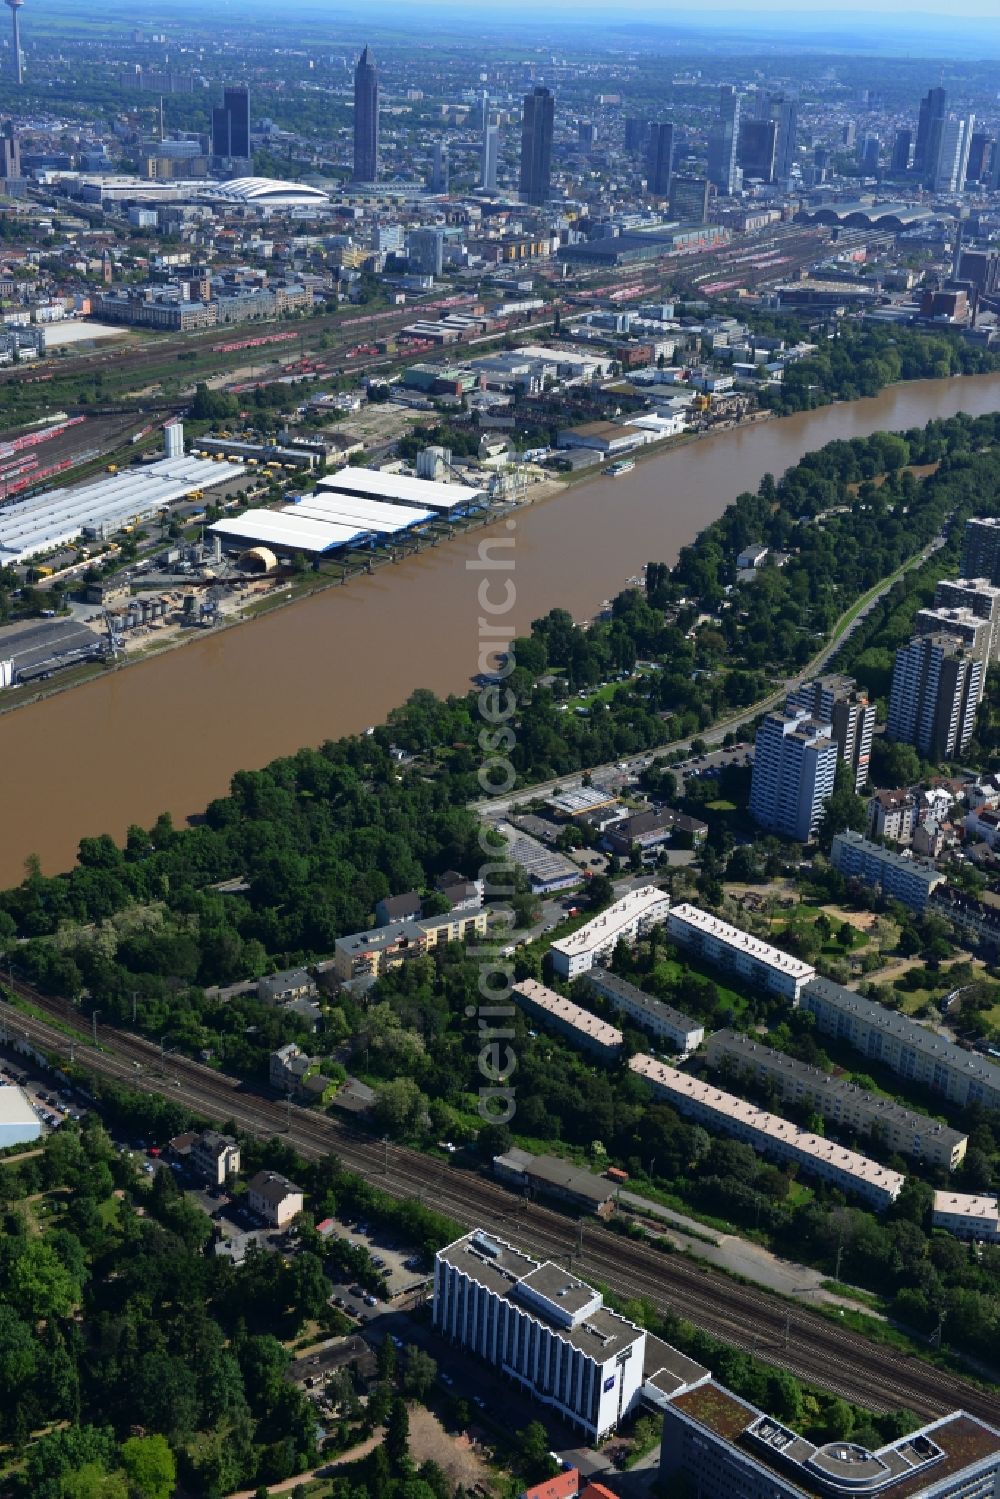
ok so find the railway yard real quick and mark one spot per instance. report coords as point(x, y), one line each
point(783, 1334)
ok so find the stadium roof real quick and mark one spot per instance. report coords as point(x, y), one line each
point(266, 192)
point(374, 484)
point(282, 532)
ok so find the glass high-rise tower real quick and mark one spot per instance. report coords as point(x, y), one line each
point(537, 128)
point(366, 118)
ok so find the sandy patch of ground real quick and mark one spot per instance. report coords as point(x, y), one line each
point(455, 1454)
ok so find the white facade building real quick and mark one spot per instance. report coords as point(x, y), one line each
point(538, 1324)
point(727, 947)
point(662, 1020)
point(904, 1046)
point(795, 764)
point(967, 1216)
point(769, 1135)
point(18, 1121)
point(624, 921)
point(562, 1015)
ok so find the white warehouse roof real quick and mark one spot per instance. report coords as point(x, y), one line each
point(58, 516)
point(286, 533)
point(373, 515)
point(373, 483)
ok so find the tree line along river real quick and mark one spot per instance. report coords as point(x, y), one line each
point(167, 734)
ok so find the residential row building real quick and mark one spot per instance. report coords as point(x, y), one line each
point(372, 953)
point(769, 1135)
point(545, 1329)
point(716, 1445)
point(672, 1026)
point(624, 921)
point(978, 920)
point(838, 1100)
point(839, 701)
point(895, 876)
point(967, 1216)
point(794, 768)
point(555, 1012)
point(737, 952)
point(937, 684)
point(902, 1045)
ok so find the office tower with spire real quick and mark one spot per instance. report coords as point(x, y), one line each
point(724, 142)
point(15, 16)
point(537, 129)
point(660, 159)
point(366, 118)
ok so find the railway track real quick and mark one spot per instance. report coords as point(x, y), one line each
point(784, 1334)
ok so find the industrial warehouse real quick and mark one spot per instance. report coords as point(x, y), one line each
point(44, 521)
point(355, 508)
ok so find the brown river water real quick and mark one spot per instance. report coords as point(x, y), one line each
point(169, 733)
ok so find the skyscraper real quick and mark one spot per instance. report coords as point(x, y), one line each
point(231, 124)
point(901, 146)
point(537, 128)
point(724, 141)
point(10, 152)
point(661, 159)
point(366, 118)
point(795, 765)
point(784, 111)
point(439, 170)
point(932, 110)
point(839, 702)
point(954, 142)
point(689, 199)
point(488, 156)
point(636, 134)
point(981, 549)
point(936, 687)
point(757, 148)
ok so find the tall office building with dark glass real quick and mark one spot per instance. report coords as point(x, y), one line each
point(366, 118)
point(231, 124)
point(537, 128)
point(660, 162)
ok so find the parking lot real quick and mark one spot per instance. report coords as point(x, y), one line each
point(50, 1103)
point(400, 1265)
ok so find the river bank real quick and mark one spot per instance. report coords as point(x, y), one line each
point(169, 733)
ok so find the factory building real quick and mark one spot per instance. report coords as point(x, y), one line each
point(45, 521)
point(661, 1020)
point(904, 1046)
point(717, 1446)
point(838, 1100)
point(400, 489)
point(896, 876)
point(542, 1327)
point(624, 921)
point(726, 947)
point(583, 1028)
point(18, 1121)
point(771, 1136)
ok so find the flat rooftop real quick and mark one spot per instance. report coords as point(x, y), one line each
point(680, 1085)
point(732, 936)
point(611, 986)
point(581, 1020)
point(425, 494)
point(286, 533)
point(912, 1465)
point(501, 1268)
point(633, 906)
point(967, 1205)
